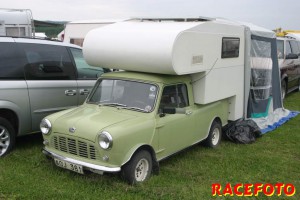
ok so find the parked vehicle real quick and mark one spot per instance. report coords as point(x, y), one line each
point(76, 31)
point(16, 22)
point(185, 80)
point(289, 62)
point(39, 77)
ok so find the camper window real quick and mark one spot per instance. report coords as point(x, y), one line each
point(15, 31)
point(230, 47)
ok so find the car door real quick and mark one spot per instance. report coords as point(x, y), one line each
point(86, 74)
point(50, 77)
point(175, 131)
point(296, 61)
point(290, 65)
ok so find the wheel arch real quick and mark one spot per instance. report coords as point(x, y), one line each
point(12, 117)
point(145, 147)
point(217, 119)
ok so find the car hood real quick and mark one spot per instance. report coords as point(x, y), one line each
point(87, 122)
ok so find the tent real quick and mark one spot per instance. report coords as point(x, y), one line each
point(262, 81)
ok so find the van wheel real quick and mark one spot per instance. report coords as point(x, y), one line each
point(214, 136)
point(299, 85)
point(7, 137)
point(283, 89)
point(139, 168)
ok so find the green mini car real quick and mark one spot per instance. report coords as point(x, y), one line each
point(130, 122)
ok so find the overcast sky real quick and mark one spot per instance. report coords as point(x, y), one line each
point(270, 14)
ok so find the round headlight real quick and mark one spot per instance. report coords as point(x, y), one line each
point(45, 126)
point(105, 140)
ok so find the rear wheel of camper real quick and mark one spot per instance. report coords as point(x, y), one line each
point(214, 136)
point(7, 137)
point(139, 168)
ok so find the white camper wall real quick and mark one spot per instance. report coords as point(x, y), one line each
point(223, 77)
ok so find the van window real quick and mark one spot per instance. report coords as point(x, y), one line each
point(280, 49)
point(295, 48)
point(84, 70)
point(174, 96)
point(10, 65)
point(47, 62)
point(288, 49)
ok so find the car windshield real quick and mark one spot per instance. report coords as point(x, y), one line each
point(124, 94)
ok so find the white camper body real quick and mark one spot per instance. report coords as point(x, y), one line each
point(76, 31)
point(16, 22)
point(215, 52)
point(176, 48)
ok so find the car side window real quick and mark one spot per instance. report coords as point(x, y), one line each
point(10, 62)
point(84, 70)
point(174, 96)
point(295, 48)
point(288, 49)
point(280, 49)
point(47, 62)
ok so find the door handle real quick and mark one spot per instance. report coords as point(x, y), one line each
point(84, 91)
point(70, 92)
point(188, 112)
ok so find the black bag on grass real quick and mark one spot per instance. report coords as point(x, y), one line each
point(242, 131)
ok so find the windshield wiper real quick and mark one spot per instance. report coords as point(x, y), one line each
point(112, 104)
point(136, 108)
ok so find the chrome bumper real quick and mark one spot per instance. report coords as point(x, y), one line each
point(87, 166)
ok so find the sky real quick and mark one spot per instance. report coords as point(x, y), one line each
point(270, 14)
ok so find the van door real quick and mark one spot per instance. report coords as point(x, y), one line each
point(175, 131)
point(50, 76)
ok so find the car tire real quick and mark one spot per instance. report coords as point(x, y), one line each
point(139, 168)
point(283, 89)
point(7, 137)
point(214, 136)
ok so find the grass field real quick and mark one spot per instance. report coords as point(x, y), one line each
point(273, 158)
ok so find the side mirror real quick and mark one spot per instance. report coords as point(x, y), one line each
point(291, 56)
point(170, 110)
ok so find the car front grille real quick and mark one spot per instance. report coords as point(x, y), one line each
point(75, 147)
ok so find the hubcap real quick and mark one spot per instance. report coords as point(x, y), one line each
point(141, 170)
point(215, 136)
point(4, 140)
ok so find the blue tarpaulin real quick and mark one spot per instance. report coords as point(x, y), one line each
point(292, 114)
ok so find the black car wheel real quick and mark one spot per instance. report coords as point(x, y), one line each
point(139, 168)
point(214, 136)
point(283, 89)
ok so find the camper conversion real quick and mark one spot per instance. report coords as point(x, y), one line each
point(16, 23)
point(183, 80)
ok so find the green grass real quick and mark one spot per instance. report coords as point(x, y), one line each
point(273, 158)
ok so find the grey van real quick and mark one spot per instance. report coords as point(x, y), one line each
point(39, 77)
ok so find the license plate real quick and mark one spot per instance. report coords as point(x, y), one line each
point(70, 166)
